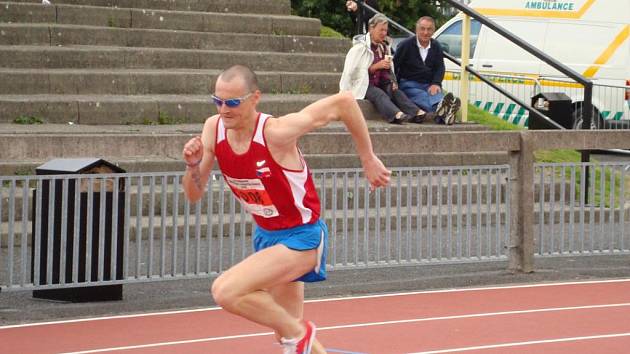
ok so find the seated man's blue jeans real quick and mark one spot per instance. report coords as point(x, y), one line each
point(419, 94)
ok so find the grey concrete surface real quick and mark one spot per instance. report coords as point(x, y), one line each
point(16, 158)
point(374, 125)
point(34, 13)
point(131, 109)
point(315, 161)
point(146, 109)
point(164, 19)
point(150, 81)
point(67, 145)
point(218, 41)
point(98, 57)
point(65, 35)
point(278, 7)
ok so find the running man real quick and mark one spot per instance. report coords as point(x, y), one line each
point(260, 161)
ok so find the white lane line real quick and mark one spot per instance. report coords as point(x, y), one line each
point(455, 290)
point(88, 319)
point(162, 344)
point(533, 342)
point(214, 308)
point(357, 325)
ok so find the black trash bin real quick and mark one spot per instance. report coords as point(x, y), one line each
point(89, 293)
point(555, 105)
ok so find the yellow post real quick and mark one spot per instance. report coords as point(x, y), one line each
point(463, 92)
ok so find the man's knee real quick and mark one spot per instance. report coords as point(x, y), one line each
point(223, 294)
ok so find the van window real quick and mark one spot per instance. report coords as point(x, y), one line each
point(451, 38)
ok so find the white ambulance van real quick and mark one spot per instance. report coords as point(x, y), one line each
point(589, 36)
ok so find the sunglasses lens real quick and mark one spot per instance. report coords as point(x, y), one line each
point(230, 102)
point(233, 102)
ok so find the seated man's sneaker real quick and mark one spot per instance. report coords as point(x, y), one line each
point(445, 105)
point(449, 118)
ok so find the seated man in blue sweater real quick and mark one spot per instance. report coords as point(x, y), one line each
point(419, 63)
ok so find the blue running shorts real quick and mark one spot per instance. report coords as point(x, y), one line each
point(300, 238)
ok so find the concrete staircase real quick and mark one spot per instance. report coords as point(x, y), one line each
point(127, 70)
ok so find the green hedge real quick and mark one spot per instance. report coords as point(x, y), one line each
point(333, 13)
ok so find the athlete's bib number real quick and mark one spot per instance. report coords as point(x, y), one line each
point(253, 196)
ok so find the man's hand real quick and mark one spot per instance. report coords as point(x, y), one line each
point(433, 89)
point(351, 6)
point(375, 172)
point(193, 151)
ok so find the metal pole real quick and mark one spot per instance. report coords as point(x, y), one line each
point(587, 112)
point(463, 92)
point(359, 17)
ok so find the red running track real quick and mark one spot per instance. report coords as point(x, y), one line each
point(582, 317)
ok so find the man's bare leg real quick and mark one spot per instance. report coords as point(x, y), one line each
point(240, 290)
point(291, 297)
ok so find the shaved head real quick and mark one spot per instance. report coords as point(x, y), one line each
point(243, 73)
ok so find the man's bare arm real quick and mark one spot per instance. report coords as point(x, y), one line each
point(198, 154)
point(286, 130)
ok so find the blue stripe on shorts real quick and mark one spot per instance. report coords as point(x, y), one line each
point(300, 238)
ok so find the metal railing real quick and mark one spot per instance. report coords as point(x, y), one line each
point(575, 219)
point(612, 104)
point(58, 231)
point(492, 101)
point(67, 237)
point(525, 87)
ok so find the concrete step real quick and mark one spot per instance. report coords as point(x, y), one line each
point(157, 110)
point(138, 109)
point(156, 144)
point(99, 57)
point(279, 7)
point(148, 109)
point(374, 126)
point(27, 166)
point(28, 146)
point(151, 81)
point(159, 19)
point(65, 35)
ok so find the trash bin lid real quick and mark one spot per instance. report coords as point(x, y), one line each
point(553, 96)
point(74, 165)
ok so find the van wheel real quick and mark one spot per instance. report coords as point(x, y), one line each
point(597, 121)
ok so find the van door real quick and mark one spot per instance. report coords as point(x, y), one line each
point(579, 45)
point(499, 55)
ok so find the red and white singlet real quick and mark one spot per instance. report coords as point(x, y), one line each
point(277, 197)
